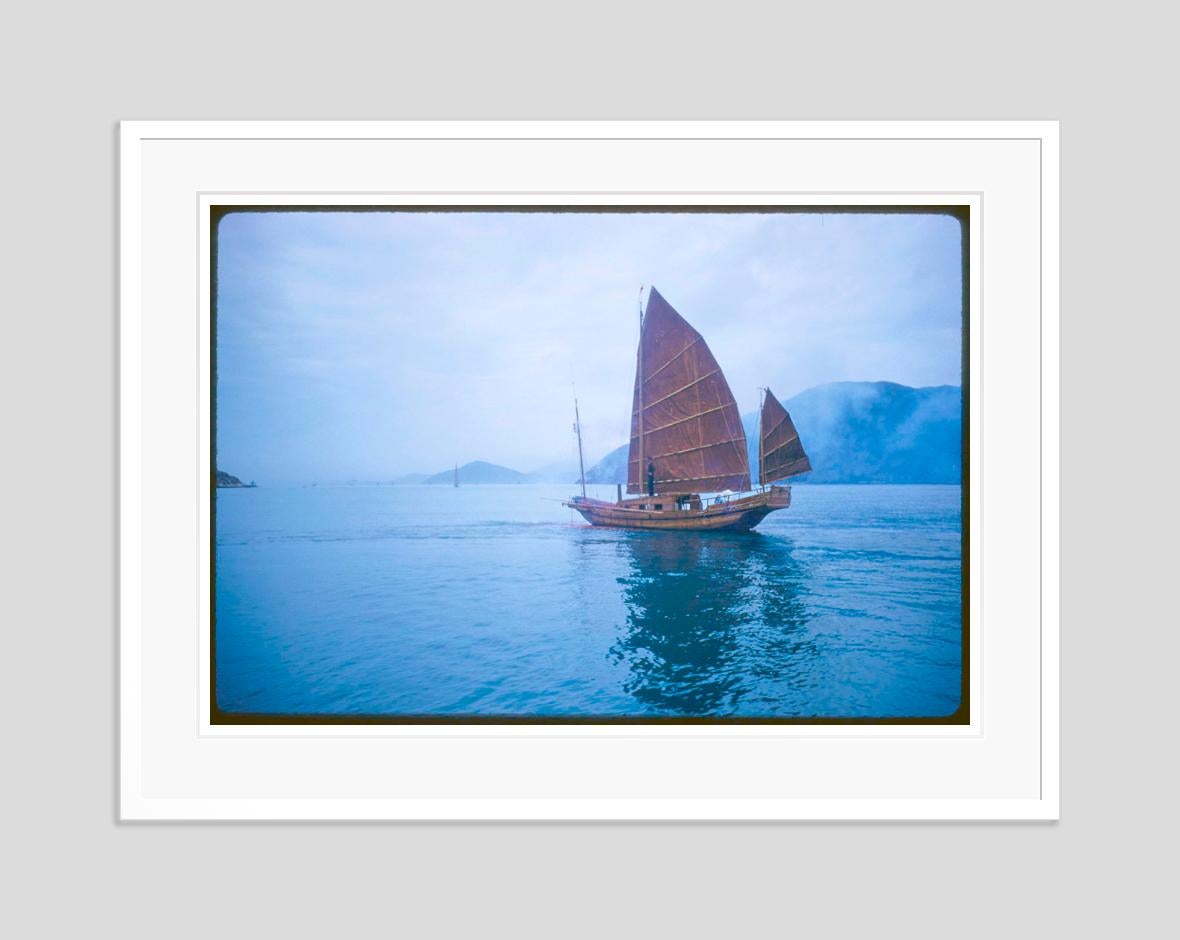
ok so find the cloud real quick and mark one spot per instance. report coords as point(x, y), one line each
point(366, 345)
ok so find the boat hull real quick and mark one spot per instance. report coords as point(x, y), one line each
point(740, 514)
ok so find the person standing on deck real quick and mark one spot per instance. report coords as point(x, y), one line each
point(651, 479)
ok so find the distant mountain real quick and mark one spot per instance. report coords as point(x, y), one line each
point(479, 471)
point(561, 472)
point(858, 432)
point(411, 478)
point(228, 479)
point(610, 469)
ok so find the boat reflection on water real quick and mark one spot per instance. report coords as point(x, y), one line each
point(716, 623)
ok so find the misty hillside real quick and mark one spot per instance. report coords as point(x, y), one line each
point(480, 471)
point(563, 471)
point(858, 432)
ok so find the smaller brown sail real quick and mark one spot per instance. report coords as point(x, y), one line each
point(780, 452)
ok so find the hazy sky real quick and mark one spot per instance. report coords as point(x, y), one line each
point(368, 345)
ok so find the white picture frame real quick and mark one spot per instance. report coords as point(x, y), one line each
point(175, 764)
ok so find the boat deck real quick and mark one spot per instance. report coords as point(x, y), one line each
point(665, 512)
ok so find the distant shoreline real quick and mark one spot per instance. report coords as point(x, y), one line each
point(227, 481)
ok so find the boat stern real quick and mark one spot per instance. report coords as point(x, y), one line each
point(779, 497)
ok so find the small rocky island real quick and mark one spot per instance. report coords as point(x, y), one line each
point(229, 480)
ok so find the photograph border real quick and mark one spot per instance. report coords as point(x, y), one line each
point(960, 716)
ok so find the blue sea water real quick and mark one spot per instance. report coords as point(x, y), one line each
point(496, 600)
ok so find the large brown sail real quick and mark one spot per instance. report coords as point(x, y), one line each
point(684, 420)
point(780, 452)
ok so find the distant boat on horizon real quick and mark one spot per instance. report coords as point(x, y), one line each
point(687, 440)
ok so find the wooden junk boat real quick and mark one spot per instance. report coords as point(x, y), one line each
point(687, 465)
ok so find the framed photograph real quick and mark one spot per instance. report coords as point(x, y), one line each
point(589, 470)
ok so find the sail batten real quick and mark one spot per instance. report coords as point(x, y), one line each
point(683, 388)
point(689, 450)
point(689, 418)
point(781, 446)
point(675, 357)
point(780, 451)
point(685, 422)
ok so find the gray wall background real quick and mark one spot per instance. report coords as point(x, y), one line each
point(71, 72)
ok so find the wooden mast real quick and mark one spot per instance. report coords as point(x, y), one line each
point(578, 428)
point(761, 405)
point(642, 464)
